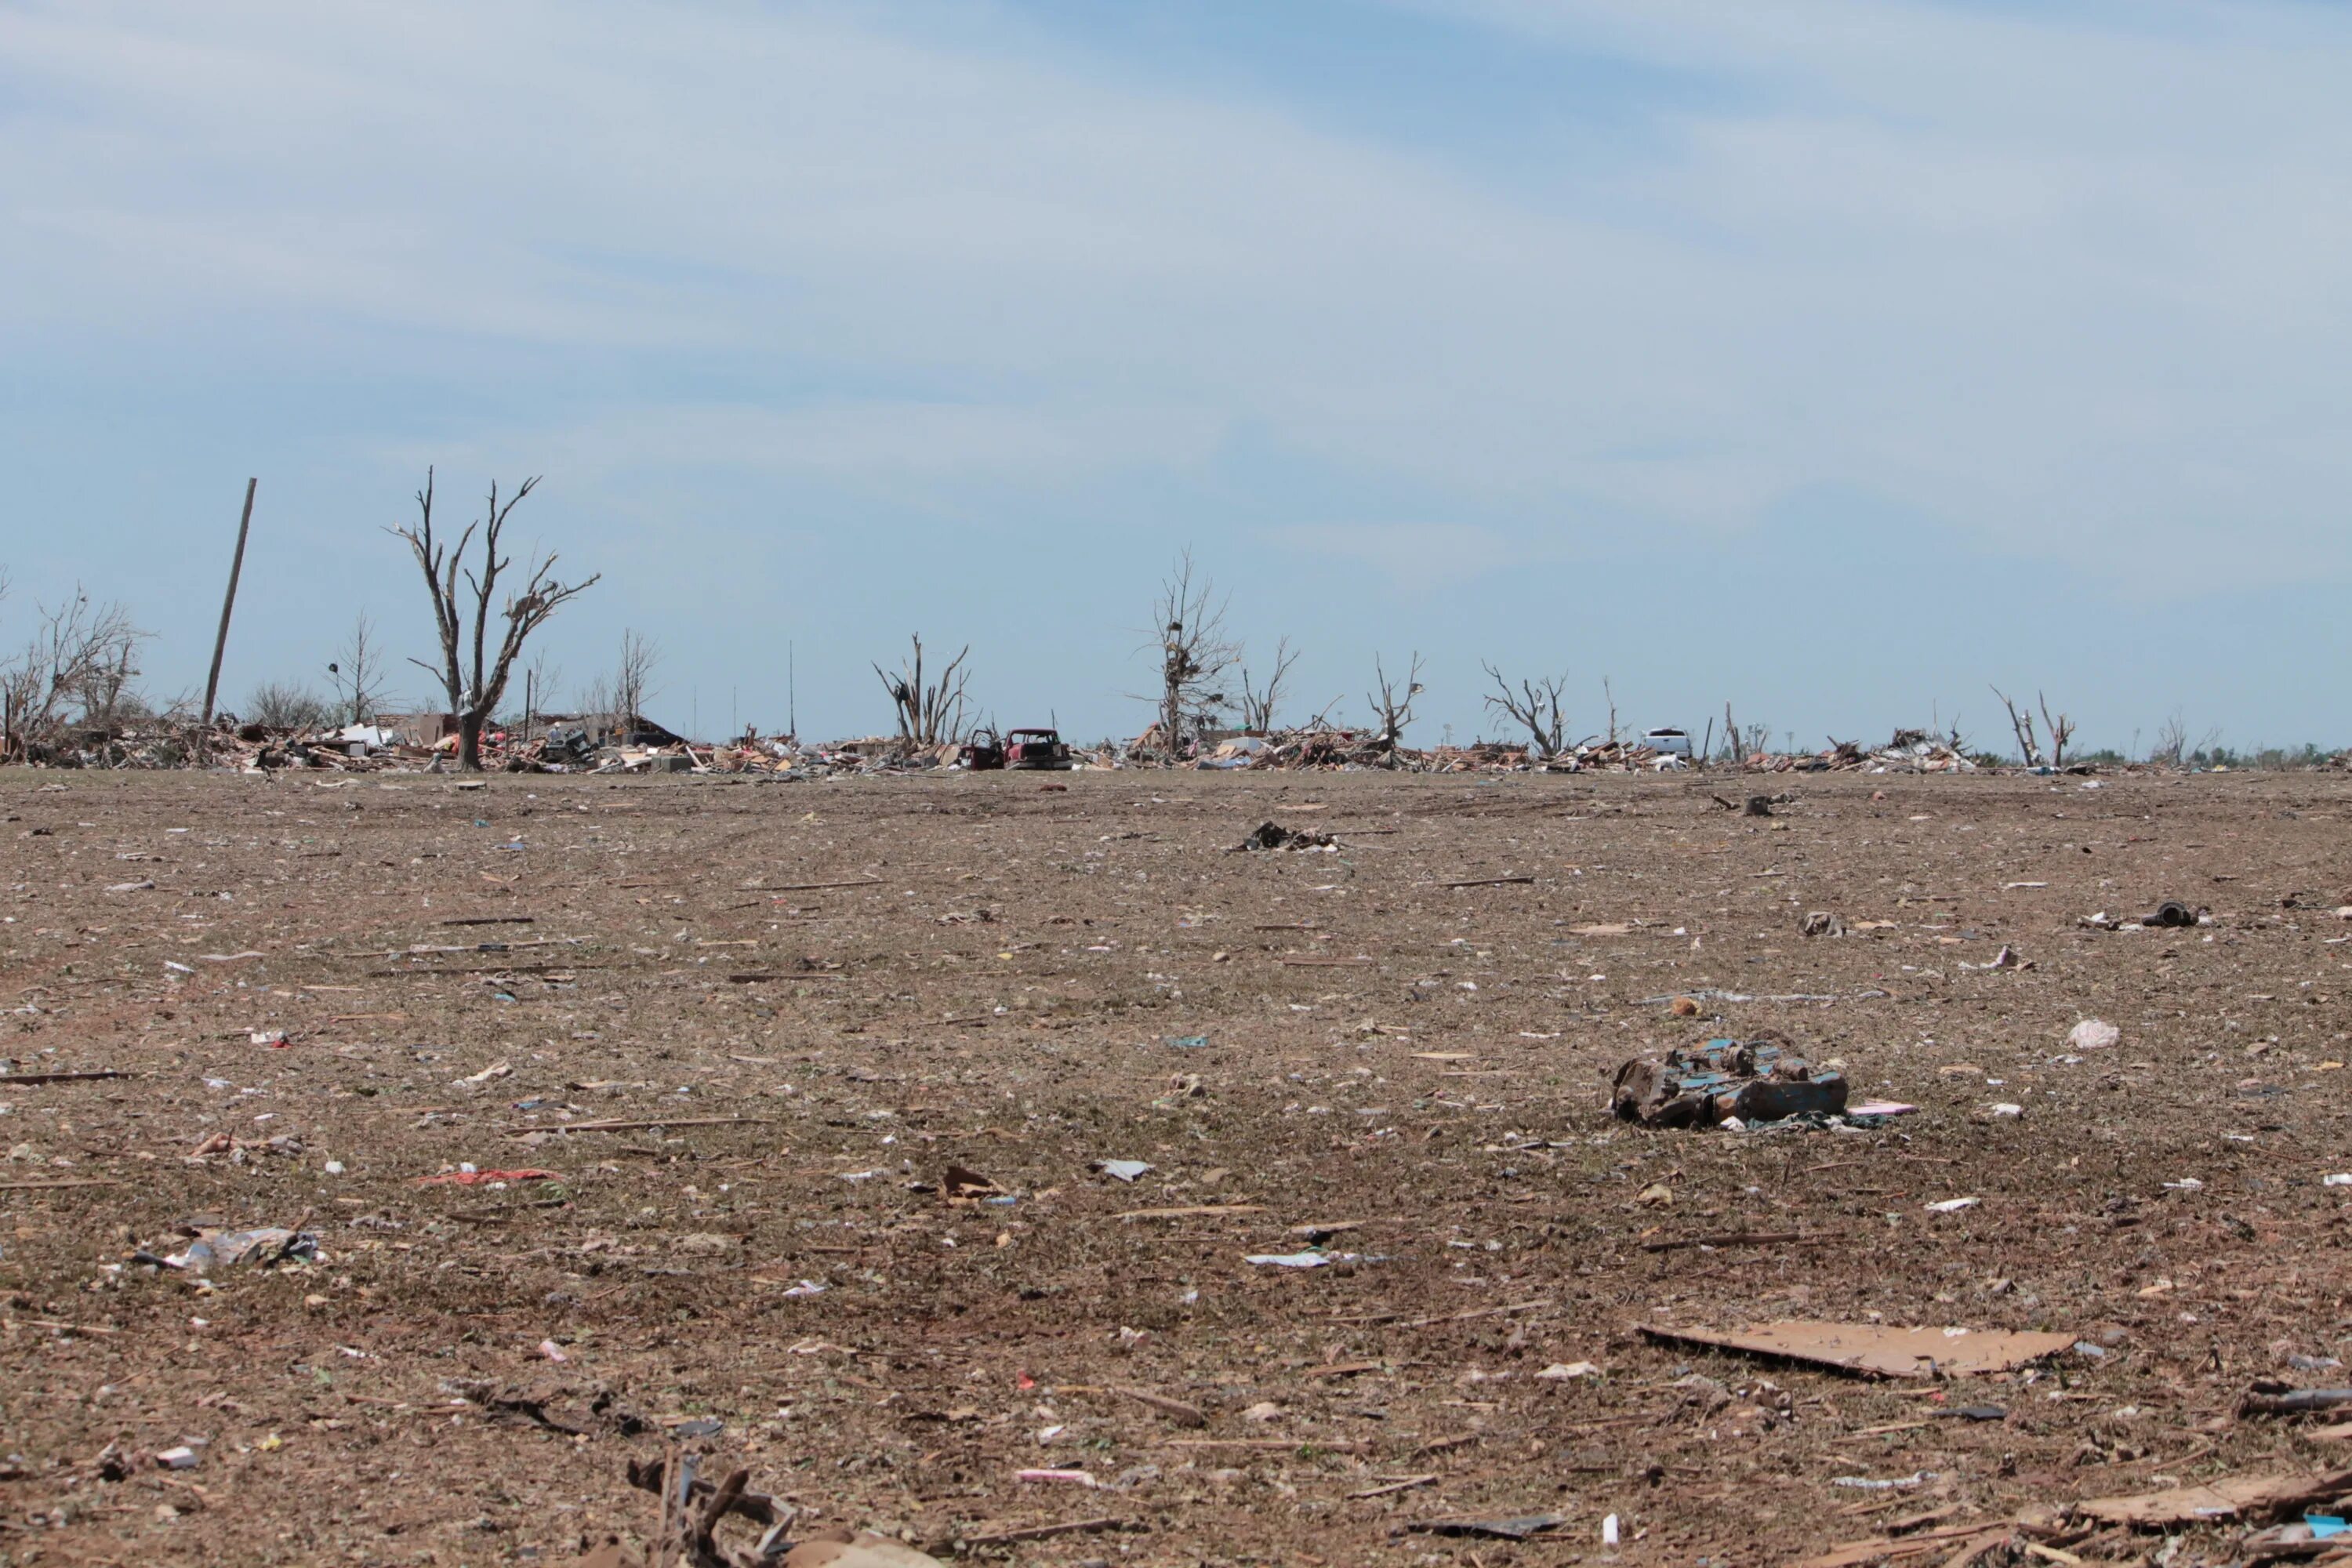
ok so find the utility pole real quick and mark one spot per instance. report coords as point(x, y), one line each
point(792, 695)
point(228, 601)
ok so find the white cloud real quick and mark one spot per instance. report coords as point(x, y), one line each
point(2065, 277)
point(1412, 555)
point(875, 440)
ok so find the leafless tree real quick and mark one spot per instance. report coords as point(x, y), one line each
point(1394, 705)
point(2174, 748)
point(2060, 728)
point(286, 705)
point(594, 701)
point(1744, 741)
point(633, 681)
point(1535, 704)
point(76, 668)
point(929, 711)
point(1609, 695)
point(2029, 741)
point(357, 672)
point(475, 688)
point(1193, 652)
point(540, 677)
point(1258, 704)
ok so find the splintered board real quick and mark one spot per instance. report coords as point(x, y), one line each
point(1873, 1351)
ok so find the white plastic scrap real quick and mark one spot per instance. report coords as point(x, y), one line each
point(1124, 1170)
point(1299, 1260)
point(2093, 1033)
point(1952, 1205)
point(2341, 1179)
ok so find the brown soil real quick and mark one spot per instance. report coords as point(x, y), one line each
point(1426, 1064)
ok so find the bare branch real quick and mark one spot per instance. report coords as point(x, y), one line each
point(1259, 705)
point(1194, 650)
point(286, 705)
point(1536, 705)
point(475, 687)
point(1393, 705)
point(2061, 729)
point(75, 670)
point(357, 672)
point(2021, 721)
point(633, 681)
point(928, 714)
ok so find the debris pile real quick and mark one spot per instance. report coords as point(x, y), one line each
point(693, 1507)
point(1722, 1080)
point(1274, 836)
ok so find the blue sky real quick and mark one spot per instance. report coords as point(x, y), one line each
point(1834, 357)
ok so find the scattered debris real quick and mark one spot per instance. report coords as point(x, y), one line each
point(2093, 1034)
point(467, 1176)
point(842, 1548)
point(2276, 1399)
point(1567, 1373)
point(1878, 1351)
point(264, 1248)
point(1751, 1080)
point(1891, 1483)
point(1272, 835)
point(2260, 1497)
point(1070, 1478)
point(959, 1185)
point(10, 1078)
point(1520, 1528)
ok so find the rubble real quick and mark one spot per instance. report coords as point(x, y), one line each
point(585, 743)
point(1753, 1081)
point(1274, 836)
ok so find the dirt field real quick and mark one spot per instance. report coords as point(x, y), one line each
point(1004, 990)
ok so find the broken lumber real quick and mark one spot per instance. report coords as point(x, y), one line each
point(1871, 1350)
point(638, 1126)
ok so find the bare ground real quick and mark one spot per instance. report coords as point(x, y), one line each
point(998, 991)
